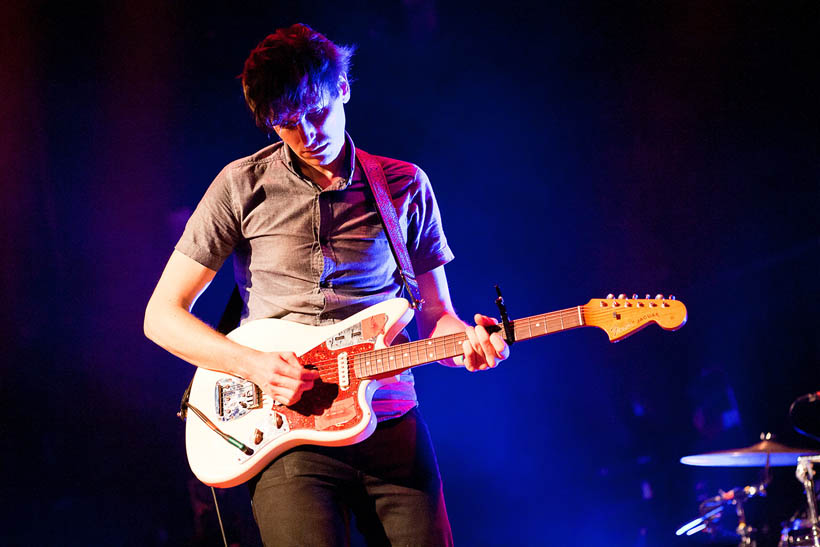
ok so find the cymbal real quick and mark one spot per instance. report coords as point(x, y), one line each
point(778, 455)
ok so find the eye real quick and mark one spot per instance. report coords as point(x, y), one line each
point(316, 114)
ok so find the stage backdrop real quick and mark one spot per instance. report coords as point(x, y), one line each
point(576, 149)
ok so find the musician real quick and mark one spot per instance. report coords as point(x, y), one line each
point(309, 247)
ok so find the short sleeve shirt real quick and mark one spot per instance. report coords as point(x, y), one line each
point(310, 255)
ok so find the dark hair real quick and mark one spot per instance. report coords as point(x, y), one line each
point(290, 70)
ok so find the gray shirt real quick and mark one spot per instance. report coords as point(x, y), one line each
point(310, 255)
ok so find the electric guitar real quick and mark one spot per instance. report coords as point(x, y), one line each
point(237, 430)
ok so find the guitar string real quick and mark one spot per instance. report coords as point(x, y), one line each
point(521, 327)
point(439, 344)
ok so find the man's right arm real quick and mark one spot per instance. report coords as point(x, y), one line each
point(170, 324)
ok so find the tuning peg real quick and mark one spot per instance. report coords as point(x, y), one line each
point(648, 296)
point(658, 297)
point(621, 296)
point(671, 297)
point(634, 297)
point(610, 296)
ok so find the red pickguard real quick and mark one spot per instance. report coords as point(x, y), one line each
point(326, 407)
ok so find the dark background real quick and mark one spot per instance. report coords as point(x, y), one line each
point(576, 149)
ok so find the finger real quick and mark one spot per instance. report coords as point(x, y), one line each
point(280, 396)
point(469, 359)
point(295, 371)
point(472, 352)
point(486, 346)
point(287, 385)
point(287, 398)
point(484, 321)
point(502, 350)
point(289, 392)
point(298, 369)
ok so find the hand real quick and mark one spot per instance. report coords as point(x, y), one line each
point(281, 376)
point(482, 350)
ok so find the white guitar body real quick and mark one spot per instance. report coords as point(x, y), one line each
point(339, 412)
point(354, 358)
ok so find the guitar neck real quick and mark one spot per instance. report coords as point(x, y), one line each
point(400, 357)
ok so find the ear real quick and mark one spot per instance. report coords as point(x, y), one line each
point(344, 88)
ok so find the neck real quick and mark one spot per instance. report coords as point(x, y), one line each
point(324, 175)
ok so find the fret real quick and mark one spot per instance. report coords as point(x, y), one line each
point(552, 324)
point(539, 324)
point(411, 354)
point(383, 361)
point(441, 348)
point(380, 362)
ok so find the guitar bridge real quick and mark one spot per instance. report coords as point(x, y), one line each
point(233, 398)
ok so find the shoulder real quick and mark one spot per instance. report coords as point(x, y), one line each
point(245, 174)
point(267, 157)
point(397, 171)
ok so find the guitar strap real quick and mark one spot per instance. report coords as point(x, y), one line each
point(377, 182)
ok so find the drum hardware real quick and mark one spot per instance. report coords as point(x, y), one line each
point(804, 532)
point(767, 453)
point(796, 532)
point(711, 510)
point(803, 529)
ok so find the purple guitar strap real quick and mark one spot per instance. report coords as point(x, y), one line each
point(374, 174)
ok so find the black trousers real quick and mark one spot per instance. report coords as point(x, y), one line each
point(390, 482)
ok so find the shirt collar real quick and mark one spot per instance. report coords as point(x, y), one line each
point(350, 164)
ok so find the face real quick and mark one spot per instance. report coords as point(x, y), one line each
point(317, 135)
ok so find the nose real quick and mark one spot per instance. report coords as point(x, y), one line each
point(307, 131)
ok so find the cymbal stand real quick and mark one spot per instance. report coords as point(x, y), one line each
point(743, 529)
point(805, 474)
point(711, 510)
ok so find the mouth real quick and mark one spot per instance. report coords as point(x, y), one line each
point(316, 149)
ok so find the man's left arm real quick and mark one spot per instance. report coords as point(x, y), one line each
point(437, 318)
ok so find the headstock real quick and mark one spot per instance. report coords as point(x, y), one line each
point(622, 316)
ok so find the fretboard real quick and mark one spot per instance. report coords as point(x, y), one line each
point(396, 358)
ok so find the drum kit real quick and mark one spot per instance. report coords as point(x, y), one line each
point(802, 530)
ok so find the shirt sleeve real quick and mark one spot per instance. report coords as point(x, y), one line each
point(214, 228)
point(426, 242)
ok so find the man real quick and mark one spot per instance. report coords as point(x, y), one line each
point(309, 247)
